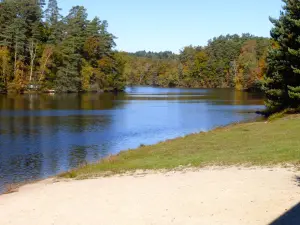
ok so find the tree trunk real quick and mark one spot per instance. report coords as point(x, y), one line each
point(15, 57)
point(32, 58)
point(44, 67)
point(4, 72)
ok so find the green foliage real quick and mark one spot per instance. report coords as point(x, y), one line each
point(40, 49)
point(277, 115)
point(155, 55)
point(54, 25)
point(282, 82)
point(227, 61)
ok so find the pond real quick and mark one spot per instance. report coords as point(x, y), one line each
point(43, 135)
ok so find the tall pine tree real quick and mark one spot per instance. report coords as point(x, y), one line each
point(68, 76)
point(282, 81)
point(54, 23)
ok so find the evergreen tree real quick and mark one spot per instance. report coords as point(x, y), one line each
point(53, 21)
point(102, 69)
point(282, 82)
point(35, 38)
point(52, 12)
point(68, 76)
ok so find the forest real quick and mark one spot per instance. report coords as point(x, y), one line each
point(41, 50)
point(231, 61)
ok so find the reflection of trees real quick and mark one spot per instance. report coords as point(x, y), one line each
point(87, 101)
point(234, 97)
point(75, 123)
point(247, 98)
point(30, 126)
point(238, 98)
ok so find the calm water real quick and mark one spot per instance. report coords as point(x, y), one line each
point(43, 135)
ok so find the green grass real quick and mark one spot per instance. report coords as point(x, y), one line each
point(260, 143)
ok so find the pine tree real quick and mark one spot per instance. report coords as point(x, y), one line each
point(52, 12)
point(68, 76)
point(53, 20)
point(19, 41)
point(282, 81)
point(102, 69)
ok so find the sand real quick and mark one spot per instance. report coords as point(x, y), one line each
point(207, 196)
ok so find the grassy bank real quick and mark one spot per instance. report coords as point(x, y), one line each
point(259, 143)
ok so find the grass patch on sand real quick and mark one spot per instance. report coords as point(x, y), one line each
point(264, 143)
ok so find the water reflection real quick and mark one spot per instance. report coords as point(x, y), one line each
point(42, 135)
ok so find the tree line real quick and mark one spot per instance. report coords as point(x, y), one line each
point(42, 50)
point(235, 61)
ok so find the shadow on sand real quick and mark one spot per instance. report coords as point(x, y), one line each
point(291, 217)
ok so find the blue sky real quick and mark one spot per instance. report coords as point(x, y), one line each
point(158, 25)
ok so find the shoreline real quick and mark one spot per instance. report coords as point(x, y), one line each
point(61, 177)
point(14, 187)
point(110, 171)
point(260, 144)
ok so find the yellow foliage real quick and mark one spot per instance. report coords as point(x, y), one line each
point(45, 61)
point(20, 80)
point(5, 69)
point(239, 80)
point(86, 74)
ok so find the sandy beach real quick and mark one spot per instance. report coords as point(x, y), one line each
point(207, 196)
